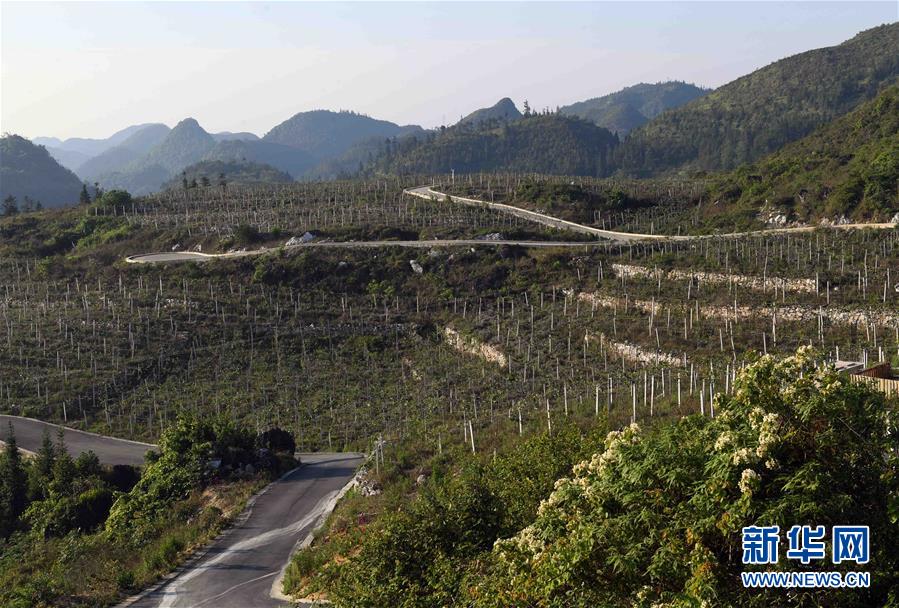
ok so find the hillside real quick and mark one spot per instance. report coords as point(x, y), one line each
point(503, 110)
point(284, 158)
point(27, 170)
point(70, 159)
point(324, 134)
point(849, 167)
point(544, 143)
point(627, 109)
point(120, 156)
point(218, 172)
point(761, 112)
point(184, 145)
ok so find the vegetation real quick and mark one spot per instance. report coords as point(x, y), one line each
point(75, 533)
point(757, 114)
point(222, 173)
point(29, 172)
point(543, 143)
point(631, 107)
point(847, 168)
point(503, 110)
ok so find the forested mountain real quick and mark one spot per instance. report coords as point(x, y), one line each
point(503, 110)
point(291, 160)
point(633, 106)
point(543, 143)
point(27, 170)
point(324, 134)
point(759, 113)
point(218, 173)
point(120, 156)
point(184, 145)
point(850, 167)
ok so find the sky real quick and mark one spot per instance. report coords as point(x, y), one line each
point(89, 69)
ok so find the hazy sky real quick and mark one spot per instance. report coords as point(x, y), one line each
point(89, 69)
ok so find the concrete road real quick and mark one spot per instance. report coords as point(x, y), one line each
point(30, 434)
point(547, 220)
point(240, 568)
point(195, 256)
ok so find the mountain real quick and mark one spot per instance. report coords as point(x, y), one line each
point(324, 134)
point(228, 135)
point(848, 167)
point(237, 172)
point(184, 145)
point(29, 170)
point(504, 110)
point(88, 146)
point(118, 157)
point(633, 106)
point(759, 113)
point(70, 159)
point(541, 143)
point(284, 158)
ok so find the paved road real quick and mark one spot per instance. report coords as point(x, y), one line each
point(554, 222)
point(540, 218)
point(240, 568)
point(30, 434)
point(195, 256)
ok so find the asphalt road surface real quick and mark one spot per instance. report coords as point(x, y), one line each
point(30, 434)
point(240, 568)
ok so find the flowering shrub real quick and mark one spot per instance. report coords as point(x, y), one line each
point(655, 519)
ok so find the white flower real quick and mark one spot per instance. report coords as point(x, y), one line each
point(749, 480)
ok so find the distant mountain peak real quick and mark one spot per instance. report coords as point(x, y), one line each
point(502, 110)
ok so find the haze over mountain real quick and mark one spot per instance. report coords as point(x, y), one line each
point(758, 113)
point(28, 170)
point(324, 134)
point(627, 109)
point(89, 146)
point(118, 157)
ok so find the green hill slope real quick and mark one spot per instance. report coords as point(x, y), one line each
point(29, 170)
point(120, 156)
point(849, 167)
point(234, 172)
point(324, 134)
point(761, 112)
point(627, 109)
point(545, 143)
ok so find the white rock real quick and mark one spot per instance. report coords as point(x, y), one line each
point(416, 267)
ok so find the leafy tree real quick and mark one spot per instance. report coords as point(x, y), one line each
point(13, 485)
point(41, 470)
point(10, 206)
point(85, 198)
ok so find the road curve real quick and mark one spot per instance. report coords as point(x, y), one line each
point(427, 192)
point(239, 568)
point(109, 450)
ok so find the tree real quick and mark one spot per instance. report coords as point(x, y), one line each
point(204, 181)
point(222, 182)
point(85, 198)
point(41, 470)
point(98, 192)
point(13, 487)
point(10, 207)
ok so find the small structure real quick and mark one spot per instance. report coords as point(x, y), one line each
point(880, 376)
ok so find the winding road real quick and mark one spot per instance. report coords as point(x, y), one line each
point(243, 568)
point(109, 450)
point(426, 192)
